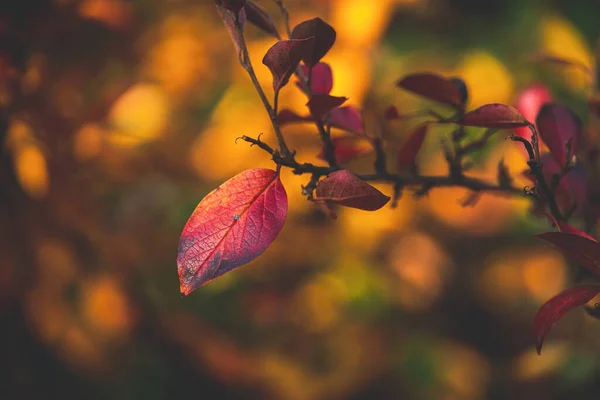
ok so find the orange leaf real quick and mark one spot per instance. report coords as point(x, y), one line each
point(231, 226)
point(500, 116)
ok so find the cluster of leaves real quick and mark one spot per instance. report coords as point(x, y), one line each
point(236, 222)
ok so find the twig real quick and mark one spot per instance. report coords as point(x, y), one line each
point(247, 64)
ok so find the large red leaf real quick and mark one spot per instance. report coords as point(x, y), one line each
point(347, 148)
point(495, 115)
point(581, 249)
point(407, 155)
point(321, 104)
point(283, 58)
point(321, 81)
point(556, 125)
point(256, 15)
point(434, 87)
point(529, 102)
point(230, 227)
point(555, 308)
point(344, 188)
point(324, 35)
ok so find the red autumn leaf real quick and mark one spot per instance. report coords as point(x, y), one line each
point(321, 104)
point(495, 115)
point(563, 227)
point(260, 18)
point(555, 308)
point(234, 5)
point(347, 118)
point(324, 35)
point(286, 116)
point(321, 81)
point(407, 156)
point(347, 148)
point(572, 187)
point(556, 125)
point(229, 21)
point(230, 227)
point(433, 87)
point(344, 188)
point(283, 58)
point(529, 102)
point(581, 249)
point(391, 113)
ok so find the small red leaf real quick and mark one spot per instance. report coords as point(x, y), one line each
point(556, 125)
point(321, 104)
point(344, 188)
point(283, 58)
point(234, 5)
point(529, 102)
point(260, 18)
point(555, 308)
point(572, 187)
point(433, 87)
point(347, 118)
point(286, 116)
point(391, 113)
point(499, 116)
point(347, 148)
point(230, 227)
point(324, 35)
point(321, 79)
point(581, 249)
point(563, 227)
point(407, 156)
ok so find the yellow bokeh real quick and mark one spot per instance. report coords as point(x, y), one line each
point(360, 23)
point(89, 141)
point(422, 266)
point(488, 80)
point(32, 170)
point(106, 307)
point(181, 59)
point(139, 116)
point(560, 38)
point(465, 371)
point(529, 365)
point(215, 155)
point(544, 274)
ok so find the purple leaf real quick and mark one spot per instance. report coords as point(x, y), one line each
point(283, 58)
point(434, 87)
point(321, 104)
point(347, 118)
point(234, 5)
point(260, 18)
point(324, 36)
point(556, 125)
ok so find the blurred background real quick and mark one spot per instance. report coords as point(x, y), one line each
point(117, 117)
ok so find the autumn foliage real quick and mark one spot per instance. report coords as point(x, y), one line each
point(237, 221)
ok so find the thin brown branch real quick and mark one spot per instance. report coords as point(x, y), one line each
point(247, 65)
